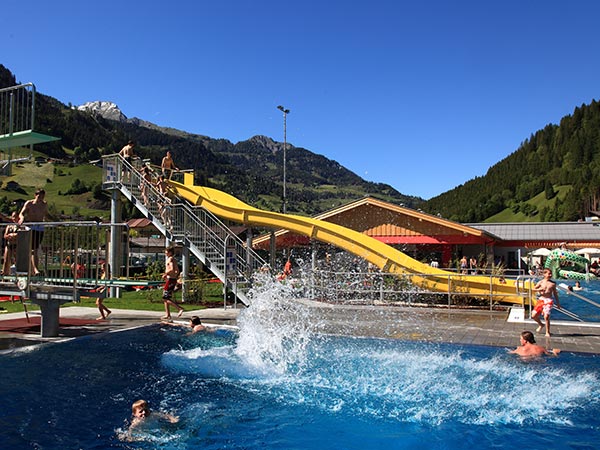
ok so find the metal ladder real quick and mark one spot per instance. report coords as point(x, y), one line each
point(527, 292)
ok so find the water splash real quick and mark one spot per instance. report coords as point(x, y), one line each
point(276, 330)
point(279, 354)
point(420, 383)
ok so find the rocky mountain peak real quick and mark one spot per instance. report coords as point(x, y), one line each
point(108, 110)
point(268, 143)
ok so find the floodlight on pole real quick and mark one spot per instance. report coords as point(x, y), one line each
point(285, 113)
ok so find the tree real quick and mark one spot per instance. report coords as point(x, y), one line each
point(549, 190)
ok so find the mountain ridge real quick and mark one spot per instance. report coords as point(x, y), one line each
point(250, 170)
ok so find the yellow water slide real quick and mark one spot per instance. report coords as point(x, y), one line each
point(386, 258)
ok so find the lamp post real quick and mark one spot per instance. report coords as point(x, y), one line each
point(285, 113)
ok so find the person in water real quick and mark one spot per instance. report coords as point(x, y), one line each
point(142, 419)
point(195, 324)
point(528, 347)
point(548, 293)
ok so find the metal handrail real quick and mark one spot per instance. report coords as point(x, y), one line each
point(382, 286)
point(206, 236)
point(566, 312)
point(17, 108)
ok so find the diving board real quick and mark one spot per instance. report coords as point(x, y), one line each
point(17, 118)
point(24, 139)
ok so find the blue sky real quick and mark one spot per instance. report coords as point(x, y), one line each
point(422, 95)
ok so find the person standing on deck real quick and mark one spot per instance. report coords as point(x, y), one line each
point(170, 276)
point(548, 293)
point(35, 210)
point(105, 276)
point(463, 264)
point(168, 165)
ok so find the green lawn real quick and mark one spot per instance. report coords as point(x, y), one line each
point(55, 179)
point(147, 300)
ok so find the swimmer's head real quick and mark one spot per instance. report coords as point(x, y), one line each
point(195, 320)
point(140, 409)
point(528, 337)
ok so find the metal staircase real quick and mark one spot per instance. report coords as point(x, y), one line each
point(206, 237)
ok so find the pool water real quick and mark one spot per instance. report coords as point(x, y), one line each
point(572, 301)
point(276, 384)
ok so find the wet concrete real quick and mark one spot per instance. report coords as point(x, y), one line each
point(459, 326)
point(407, 323)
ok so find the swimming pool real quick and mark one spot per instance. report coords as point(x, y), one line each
point(277, 385)
point(572, 301)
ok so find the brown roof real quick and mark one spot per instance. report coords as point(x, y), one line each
point(139, 223)
point(383, 220)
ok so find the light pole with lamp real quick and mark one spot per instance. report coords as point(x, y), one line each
point(285, 113)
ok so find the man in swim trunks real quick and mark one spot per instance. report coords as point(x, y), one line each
point(127, 154)
point(548, 293)
point(168, 165)
point(170, 277)
point(127, 151)
point(35, 210)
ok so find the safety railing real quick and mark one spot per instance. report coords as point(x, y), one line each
point(17, 109)
point(58, 254)
point(207, 237)
point(391, 288)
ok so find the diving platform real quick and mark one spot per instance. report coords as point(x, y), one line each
point(17, 121)
point(24, 139)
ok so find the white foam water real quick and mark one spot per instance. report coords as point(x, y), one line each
point(279, 353)
point(276, 330)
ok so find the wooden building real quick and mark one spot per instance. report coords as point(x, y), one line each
point(430, 238)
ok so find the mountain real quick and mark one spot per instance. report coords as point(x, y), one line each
point(250, 170)
point(311, 179)
point(108, 110)
point(553, 176)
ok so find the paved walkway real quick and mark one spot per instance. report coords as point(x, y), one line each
point(424, 324)
point(457, 326)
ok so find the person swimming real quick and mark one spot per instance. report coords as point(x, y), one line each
point(144, 421)
point(529, 348)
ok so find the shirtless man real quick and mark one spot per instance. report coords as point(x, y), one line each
point(168, 165)
point(127, 151)
point(164, 201)
point(35, 210)
point(548, 293)
point(127, 154)
point(170, 276)
point(529, 348)
point(195, 324)
point(145, 184)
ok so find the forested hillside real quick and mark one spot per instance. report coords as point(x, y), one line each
point(565, 156)
point(251, 170)
point(553, 176)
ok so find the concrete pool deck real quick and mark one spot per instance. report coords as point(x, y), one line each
point(458, 326)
